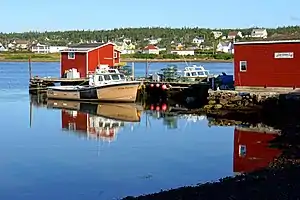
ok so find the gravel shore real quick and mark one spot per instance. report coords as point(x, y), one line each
point(275, 182)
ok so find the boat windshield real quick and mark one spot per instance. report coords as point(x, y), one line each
point(107, 77)
point(115, 77)
point(122, 77)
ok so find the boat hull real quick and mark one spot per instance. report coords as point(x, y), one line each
point(123, 92)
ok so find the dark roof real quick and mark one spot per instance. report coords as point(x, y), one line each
point(87, 45)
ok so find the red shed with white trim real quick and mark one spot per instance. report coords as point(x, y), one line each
point(267, 64)
point(86, 57)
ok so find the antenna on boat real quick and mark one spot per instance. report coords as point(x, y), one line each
point(185, 61)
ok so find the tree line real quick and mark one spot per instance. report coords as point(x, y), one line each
point(138, 35)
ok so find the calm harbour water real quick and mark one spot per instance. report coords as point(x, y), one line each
point(46, 162)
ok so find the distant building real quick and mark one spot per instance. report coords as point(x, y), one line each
point(154, 41)
point(19, 44)
point(234, 34)
point(217, 34)
point(2, 48)
point(128, 51)
point(151, 49)
point(225, 47)
point(86, 57)
point(40, 48)
point(183, 52)
point(259, 33)
point(56, 49)
point(198, 40)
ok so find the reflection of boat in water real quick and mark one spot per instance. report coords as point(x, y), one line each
point(251, 148)
point(124, 112)
point(95, 120)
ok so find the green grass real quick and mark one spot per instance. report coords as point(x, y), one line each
point(24, 56)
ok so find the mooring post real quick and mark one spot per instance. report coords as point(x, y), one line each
point(132, 70)
point(29, 67)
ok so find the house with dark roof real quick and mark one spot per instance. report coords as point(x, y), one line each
point(87, 57)
point(259, 33)
point(234, 34)
point(198, 40)
point(225, 47)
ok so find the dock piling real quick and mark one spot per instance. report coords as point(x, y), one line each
point(29, 67)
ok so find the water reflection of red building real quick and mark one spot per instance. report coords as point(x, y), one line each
point(91, 125)
point(252, 150)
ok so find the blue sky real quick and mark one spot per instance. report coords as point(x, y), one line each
point(44, 15)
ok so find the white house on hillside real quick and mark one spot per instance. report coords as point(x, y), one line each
point(56, 49)
point(18, 44)
point(259, 33)
point(151, 49)
point(225, 47)
point(40, 48)
point(234, 34)
point(2, 48)
point(217, 34)
point(198, 40)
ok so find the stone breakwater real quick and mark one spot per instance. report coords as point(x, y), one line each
point(238, 100)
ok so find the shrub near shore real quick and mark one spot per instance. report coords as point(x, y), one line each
point(55, 57)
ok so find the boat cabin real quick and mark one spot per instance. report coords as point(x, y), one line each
point(195, 71)
point(105, 76)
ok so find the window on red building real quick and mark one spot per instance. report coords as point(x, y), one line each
point(71, 55)
point(243, 66)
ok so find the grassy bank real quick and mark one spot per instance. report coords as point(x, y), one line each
point(55, 57)
point(24, 57)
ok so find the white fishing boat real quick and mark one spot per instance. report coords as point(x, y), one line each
point(105, 84)
point(196, 72)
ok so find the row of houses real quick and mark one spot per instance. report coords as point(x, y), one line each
point(23, 45)
point(255, 33)
point(222, 47)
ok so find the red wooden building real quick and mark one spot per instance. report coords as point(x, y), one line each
point(251, 149)
point(267, 64)
point(86, 57)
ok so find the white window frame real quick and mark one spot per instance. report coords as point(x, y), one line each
point(244, 152)
point(71, 57)
point(115, 54)
point(241, 63)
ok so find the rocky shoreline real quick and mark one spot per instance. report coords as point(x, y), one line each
point(278, 181)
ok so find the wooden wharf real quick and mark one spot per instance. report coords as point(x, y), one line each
point(40, 84)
